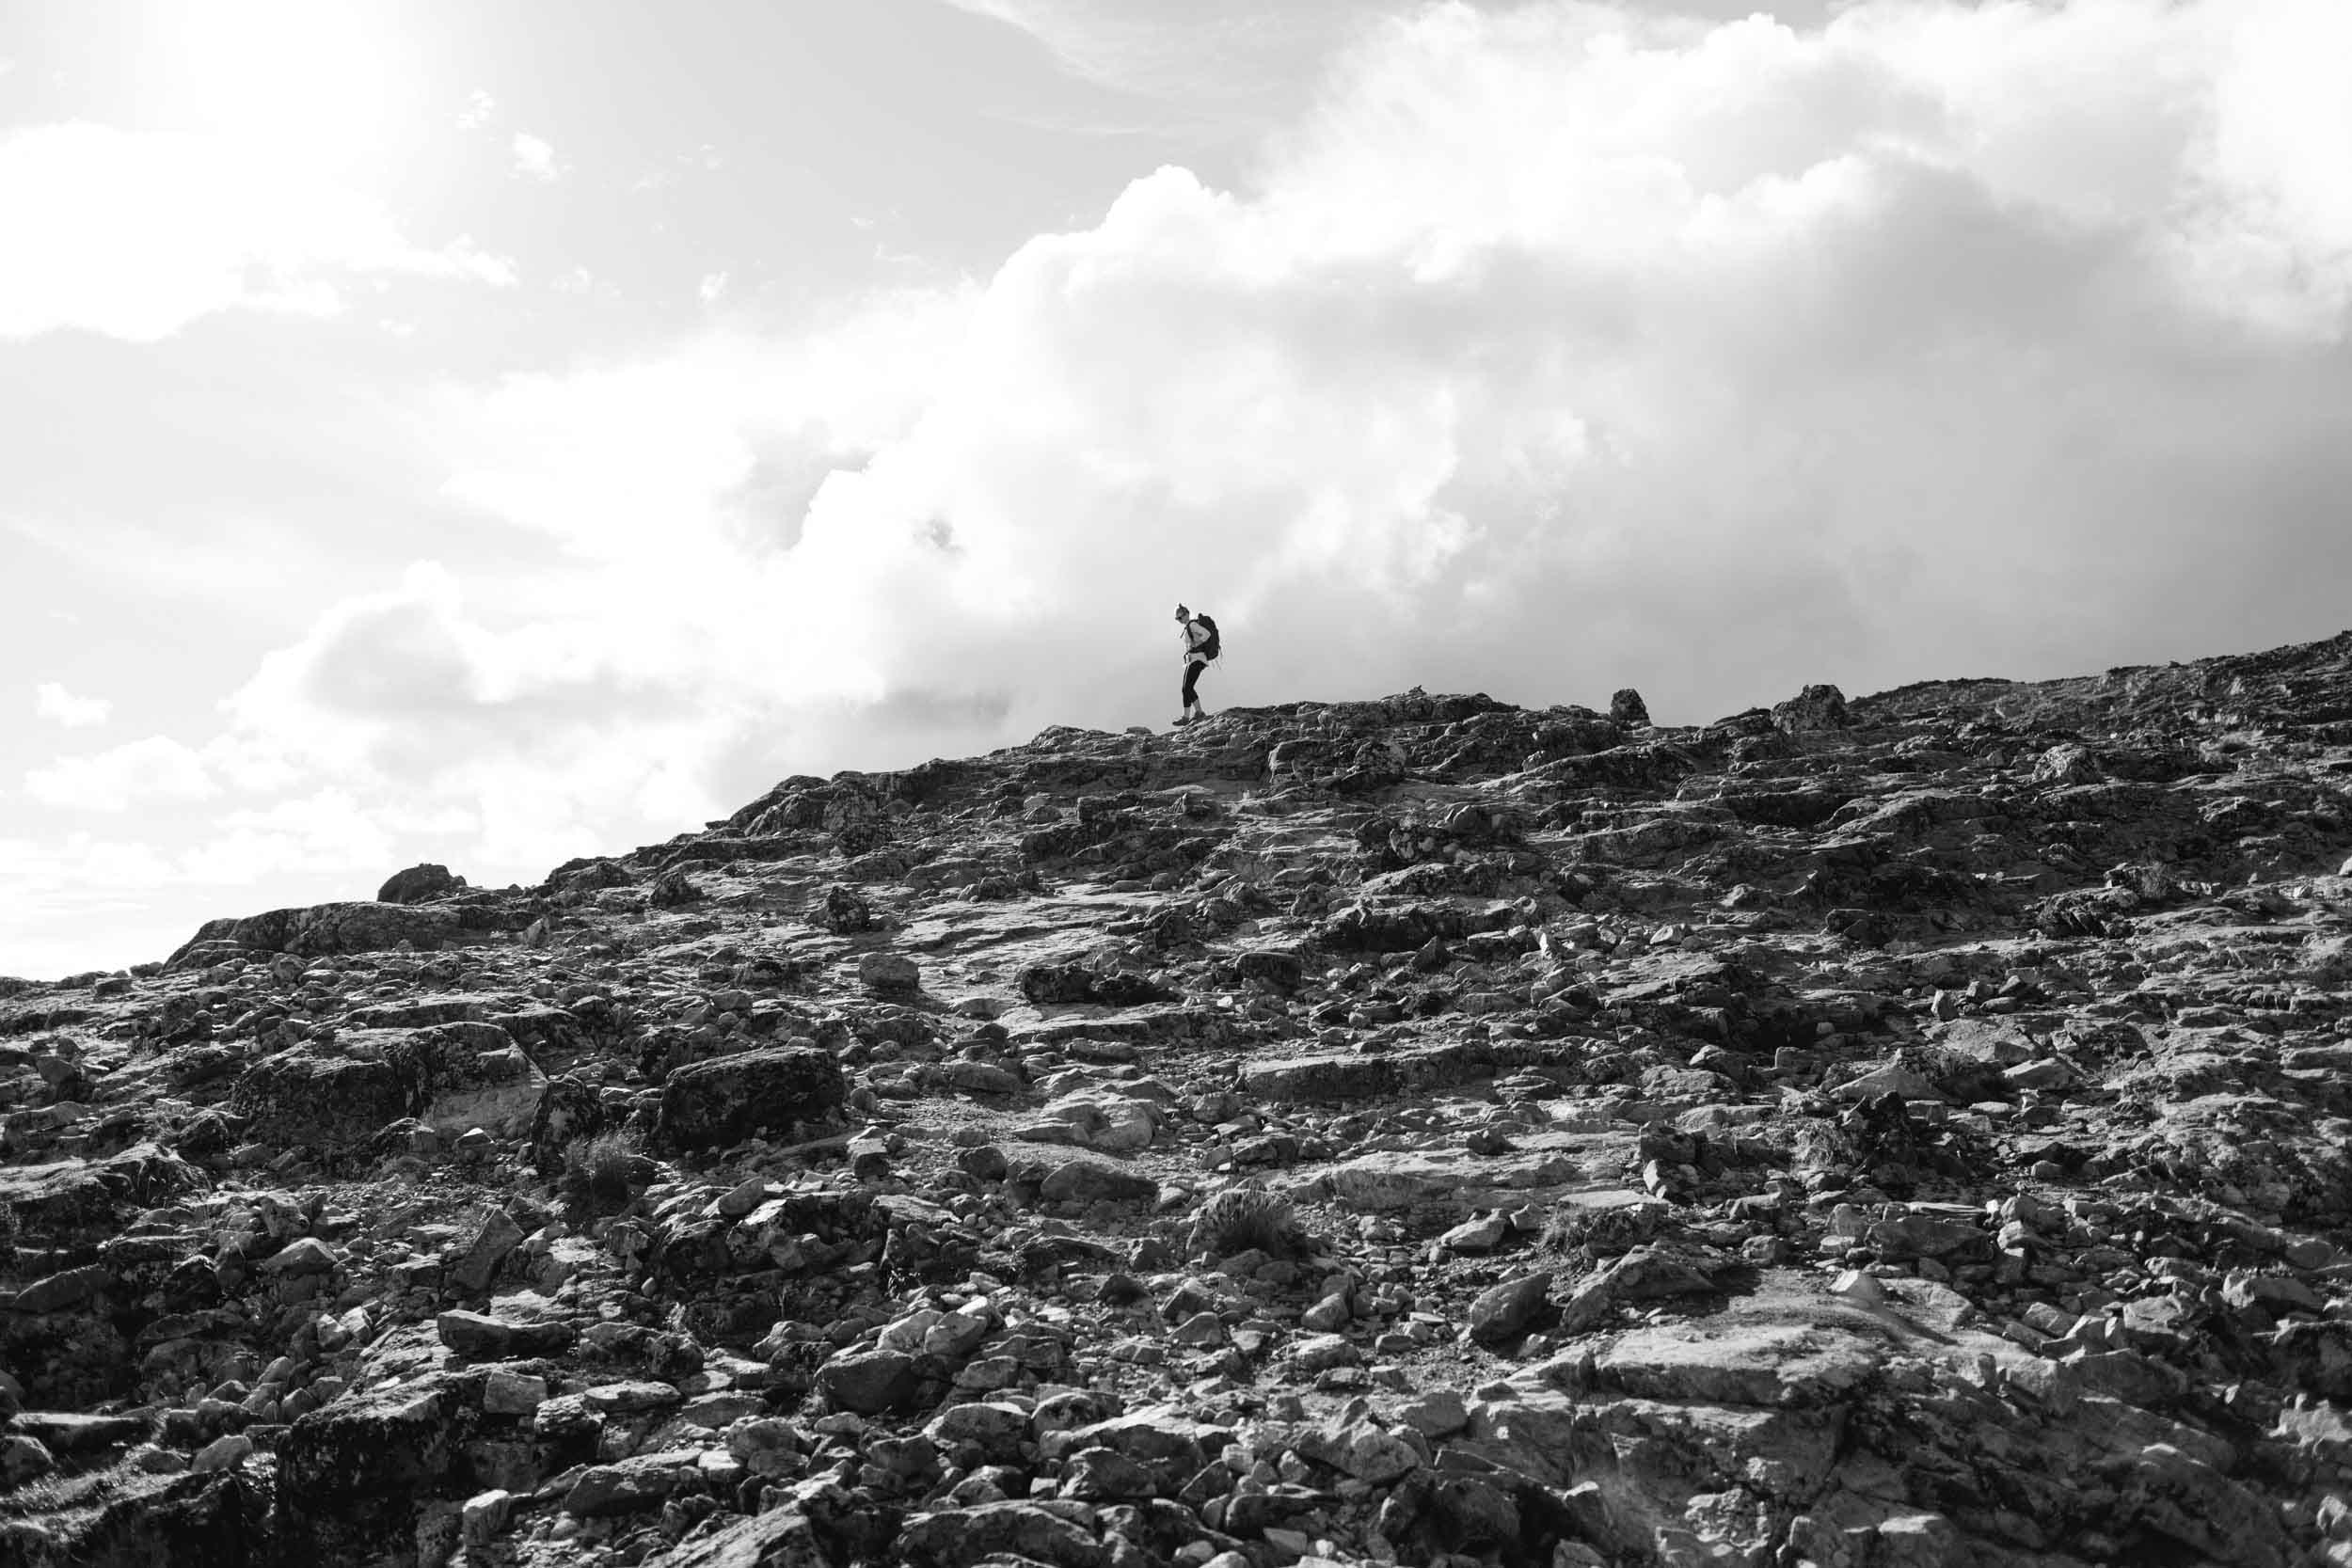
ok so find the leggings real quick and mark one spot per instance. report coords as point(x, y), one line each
point(1192, 673)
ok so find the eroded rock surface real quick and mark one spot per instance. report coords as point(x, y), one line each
point(1907, 1130)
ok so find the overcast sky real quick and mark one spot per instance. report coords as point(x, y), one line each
point(495, 433)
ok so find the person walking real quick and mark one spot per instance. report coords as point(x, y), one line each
point(1200, 645)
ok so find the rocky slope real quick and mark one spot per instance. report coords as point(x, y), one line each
point(1907, 1131)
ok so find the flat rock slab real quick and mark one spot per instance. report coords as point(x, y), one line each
point(1747, 1363)
point(782, 1538)
point(1583, 1169)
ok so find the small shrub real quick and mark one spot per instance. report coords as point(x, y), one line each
point(605, 1169)
point(1241, 1219)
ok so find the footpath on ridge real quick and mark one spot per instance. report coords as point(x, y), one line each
point(1913, 1132)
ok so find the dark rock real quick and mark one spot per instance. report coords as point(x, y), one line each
point(483, 1337)
point(1096, 1182)
point(844, 911)
point(869, 1382)
point(1033, 1532)
point(418, 884)
point(353, 1479)
point(711, 1104)
point(1817, 708)
point(1504, 1311)
point(782, 1538)
point(1065, 983)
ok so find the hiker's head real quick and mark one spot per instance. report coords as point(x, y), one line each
point(1183, 615)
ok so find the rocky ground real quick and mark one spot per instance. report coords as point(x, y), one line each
point(1907, 1131)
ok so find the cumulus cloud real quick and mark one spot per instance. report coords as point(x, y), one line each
point(534, 157)
point(54, 703)
point(1559, 348)
point(1556, 350)
point(135, 234)
point(156, 769)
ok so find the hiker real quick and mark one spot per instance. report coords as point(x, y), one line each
point(1200, 646)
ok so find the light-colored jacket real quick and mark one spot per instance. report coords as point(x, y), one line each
point(1194, 635)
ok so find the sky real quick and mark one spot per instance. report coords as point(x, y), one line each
point(458, 430)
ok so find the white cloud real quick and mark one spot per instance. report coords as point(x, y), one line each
point(1240, 57)
point(1556, 350)
point(328, 831)
point(135, 234)
point(156, 769)
point(54, 703)
point(480, 107)
point(534, 158)
point(711, 287)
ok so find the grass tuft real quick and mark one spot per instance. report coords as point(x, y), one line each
point(605, 1169)
point(1242, 1219)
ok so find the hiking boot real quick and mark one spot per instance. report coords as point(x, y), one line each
point(1181, 720)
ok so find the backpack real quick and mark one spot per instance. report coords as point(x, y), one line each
point(1213, 646)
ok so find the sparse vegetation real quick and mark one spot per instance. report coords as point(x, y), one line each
point(1241, 1219)
point(605, 1170)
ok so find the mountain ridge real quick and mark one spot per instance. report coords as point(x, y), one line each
point(1909, 1129)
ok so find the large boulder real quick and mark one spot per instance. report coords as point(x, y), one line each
point(454, 1076)
point(711, 1104)
point(306, 1096)
point(1817, 708)
point(353, 1478)
point(329, 928)
point(419, 883)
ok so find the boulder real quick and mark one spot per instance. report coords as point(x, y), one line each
point(752, 1094)
point(1814, 708)
point(867, 1383)
point(418, 884)
point(780, 1538)
point(353, 1479)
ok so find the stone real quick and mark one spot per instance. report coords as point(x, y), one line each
point(223, 1453)
point(485, 1338)
point(632, 1486)
point(710, 1104)
point(889, 973)
point(780, 1538)
point(1096, 1182)
point(419, 883)
point(869, 1382)
point(305, 1255)
point(961, 1537)
point(512, 1393)
point(1504, 1311)
point(493, 1241)
point(1817, 708)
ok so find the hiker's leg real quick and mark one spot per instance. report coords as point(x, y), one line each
point(1192, 675)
